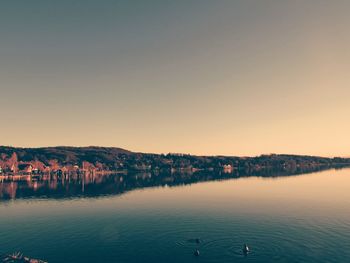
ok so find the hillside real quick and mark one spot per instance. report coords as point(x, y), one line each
point(14, 160)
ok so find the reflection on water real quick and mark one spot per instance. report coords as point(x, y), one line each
point(302, 218)
point(94, 185)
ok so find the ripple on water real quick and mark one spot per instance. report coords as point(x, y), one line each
point(222, 244)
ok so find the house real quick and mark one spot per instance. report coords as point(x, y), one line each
point(25, 168)
point(13, 168)
point(47, 169)
point(227, 168)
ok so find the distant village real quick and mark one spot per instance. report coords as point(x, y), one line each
point(14, 167)
point(66, 161)
point(92, 171)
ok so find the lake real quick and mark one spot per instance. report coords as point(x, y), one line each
point(300, 218)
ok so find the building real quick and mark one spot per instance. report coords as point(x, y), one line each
point(13, 168)
point(25, 168)
point(228, 168)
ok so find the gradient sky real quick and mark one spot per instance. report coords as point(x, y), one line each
point(202, 77)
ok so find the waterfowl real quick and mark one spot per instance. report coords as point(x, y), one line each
point(196, 253)
point(245, 249)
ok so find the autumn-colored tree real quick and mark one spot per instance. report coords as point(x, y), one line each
point(38, 165)
point(54, 165)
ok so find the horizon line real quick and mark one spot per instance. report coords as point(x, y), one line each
point(183, 153)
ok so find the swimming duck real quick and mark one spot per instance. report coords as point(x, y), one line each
point(245, 249)
point(196, 253)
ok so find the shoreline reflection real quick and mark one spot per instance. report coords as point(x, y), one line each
point(92, 185)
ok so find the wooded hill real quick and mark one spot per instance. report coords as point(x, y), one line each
point(110, 158)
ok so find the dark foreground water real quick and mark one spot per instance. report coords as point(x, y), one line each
point(303, 218)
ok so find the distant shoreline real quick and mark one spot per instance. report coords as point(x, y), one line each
point(72, 161)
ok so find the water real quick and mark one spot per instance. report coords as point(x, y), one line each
point(304, 218)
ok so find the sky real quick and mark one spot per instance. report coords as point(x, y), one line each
point(189, 76)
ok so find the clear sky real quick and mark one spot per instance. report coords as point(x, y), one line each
point(202, 77)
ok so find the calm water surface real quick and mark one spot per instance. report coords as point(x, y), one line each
point(303, 218)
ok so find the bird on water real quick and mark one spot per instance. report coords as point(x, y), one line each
point(245, 249)
point(196, 253)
